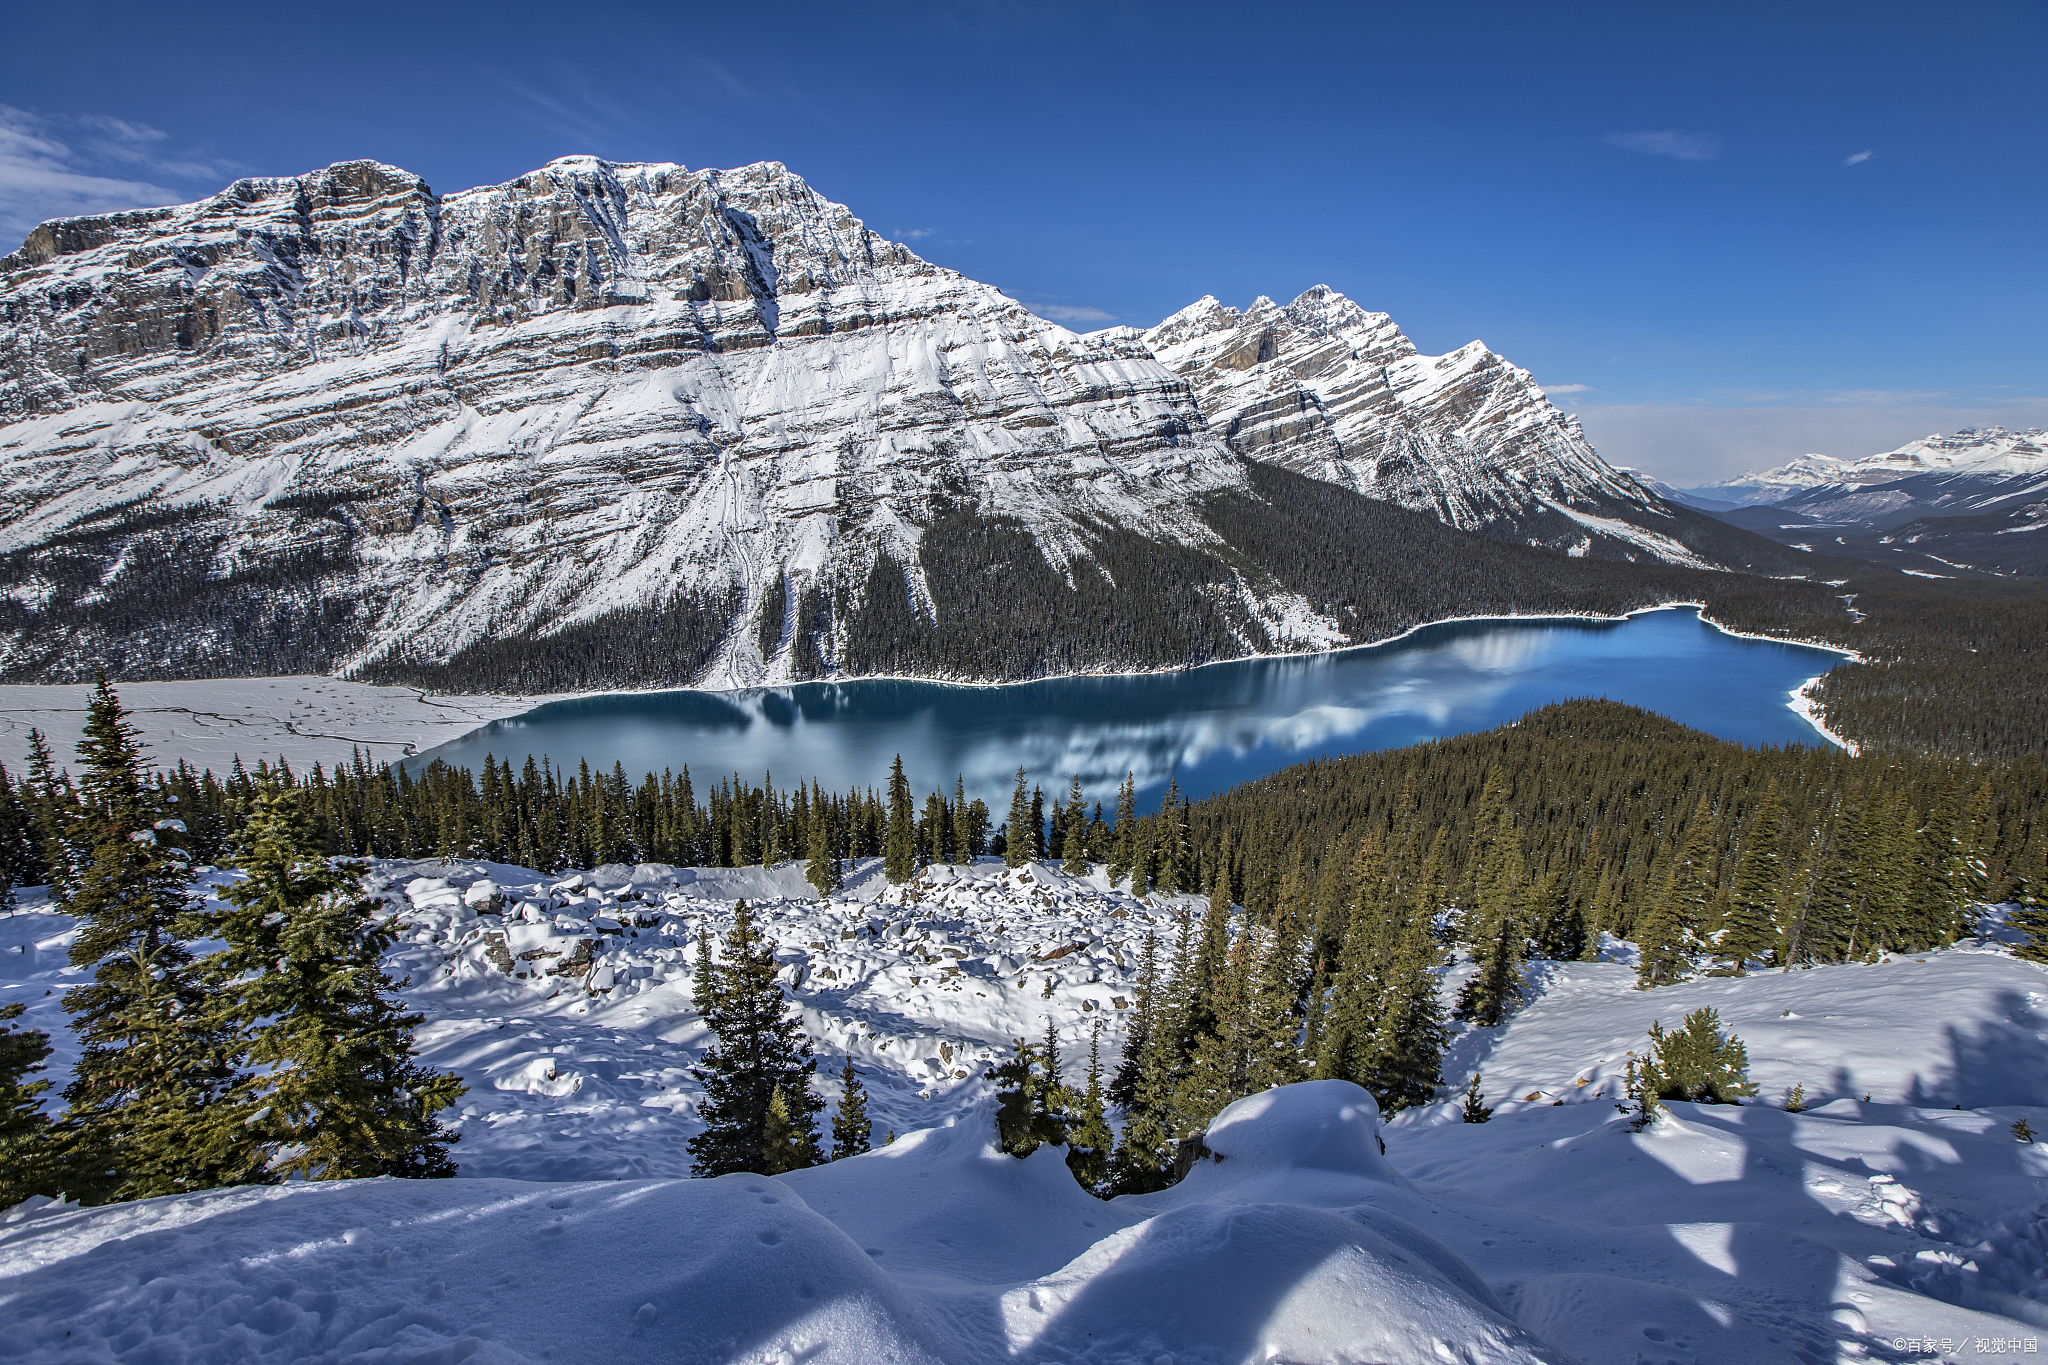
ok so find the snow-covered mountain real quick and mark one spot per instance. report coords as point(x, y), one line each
point(338, 420)
point(1989, 451)
point(1964, 501)
point(1325, 388)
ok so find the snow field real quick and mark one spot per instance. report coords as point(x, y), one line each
point(1859, 1229)
point(568, 1012)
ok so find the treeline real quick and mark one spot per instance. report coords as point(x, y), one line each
point(276, 1052)
point(1605, 804)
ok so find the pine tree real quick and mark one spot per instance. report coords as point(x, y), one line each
point(1017, 848)
point(1123, 1089)
point(1170, 850)
point(963, 823)
point(761, 1053)
point(1089, 1139)
point(334, 1092)
point(821, 869)
point(851, 1129)
point(1697, 1062)
point(899, 854)
point(1030, 1111)
point(1074, 846)
point(1409, 1034)
point(28, 1162)
point(1495, 924)
point(1475, 1109)
point(1750, 928)
point(50, 818)
point(1123, 848)
point(1346, 1026)
point(151, 1061)
point(1670, 936)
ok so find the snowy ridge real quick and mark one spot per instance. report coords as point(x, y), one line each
point(1973, 450)
point(1325, 388)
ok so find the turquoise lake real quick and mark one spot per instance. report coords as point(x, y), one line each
point(1208, 728)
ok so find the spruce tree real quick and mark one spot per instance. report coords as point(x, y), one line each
point(1669, 938)
point(821, 869)
point(851, 1130)
point(1496, 923)
point(1123, 1089)
point(28, 1163)
point(963, 823)
point(760, 1053)
point(334, 1092)
point(1698, 1062)
point(1030, 1103)
point(1749, 930)
point(1017, 846)
point(151, 1060)
point(1090, 1140)
point(1357, 977)
point(899, 853)
point(1074, 847)
point(51, 815)
point(1409, 1034)
point(1123, 850)
point(1170, 850)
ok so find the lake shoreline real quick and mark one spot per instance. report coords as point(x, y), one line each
point(320, 718)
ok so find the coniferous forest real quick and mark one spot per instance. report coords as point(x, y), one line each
point(1333, 891)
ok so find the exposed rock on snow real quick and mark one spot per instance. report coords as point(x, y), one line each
point(1551, 1233)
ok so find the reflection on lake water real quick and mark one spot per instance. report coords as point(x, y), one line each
point(1209, 728)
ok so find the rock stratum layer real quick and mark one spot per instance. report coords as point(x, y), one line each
point(627, 424)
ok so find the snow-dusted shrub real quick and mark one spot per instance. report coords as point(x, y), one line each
point(1698, 1062)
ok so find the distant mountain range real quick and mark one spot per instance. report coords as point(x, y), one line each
point(1970, 501)
point(612, 424)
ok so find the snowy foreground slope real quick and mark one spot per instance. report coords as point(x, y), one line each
point(1876, 1225)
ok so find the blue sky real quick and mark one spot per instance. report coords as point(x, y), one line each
point(1724, 234)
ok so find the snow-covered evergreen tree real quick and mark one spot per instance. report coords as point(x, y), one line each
point(28, 1163)
point(331, 1089)
point(761, 1052)
point(899, 850)
point(852, 1131)
point(1017, 834)
point(152, 1059)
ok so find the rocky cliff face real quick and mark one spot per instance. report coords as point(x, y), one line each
point(1323, 387)
point(339, 421)
point(583, 390)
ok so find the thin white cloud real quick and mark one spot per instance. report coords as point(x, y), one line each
point(916, 234)
point(1858, 158)
point(1060, 312)
point(59, 167)
point(1567, 388)
point(1668, 142)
